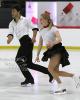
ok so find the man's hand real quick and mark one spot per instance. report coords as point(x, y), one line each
point(34, 34)
point(10, 38)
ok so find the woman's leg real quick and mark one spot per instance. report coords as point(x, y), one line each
point(63, 73)
point(54, 62)
point(76, 78)
point(53, 68)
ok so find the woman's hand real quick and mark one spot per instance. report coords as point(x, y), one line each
point(37, 59)
point(50, 44)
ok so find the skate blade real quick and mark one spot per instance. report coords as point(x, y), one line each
point(61, 92)
point(27, 85)
point(78, 85)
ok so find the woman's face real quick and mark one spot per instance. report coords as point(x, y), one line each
point(43, 21)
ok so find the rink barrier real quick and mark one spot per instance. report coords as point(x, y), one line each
point(35, 47)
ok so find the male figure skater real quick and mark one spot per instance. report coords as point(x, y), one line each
point(19, 26)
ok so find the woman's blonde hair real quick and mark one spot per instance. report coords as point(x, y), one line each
point(46, 16)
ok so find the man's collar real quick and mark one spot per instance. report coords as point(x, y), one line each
point(21, 17)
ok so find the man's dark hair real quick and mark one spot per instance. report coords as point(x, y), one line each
point(17, 7)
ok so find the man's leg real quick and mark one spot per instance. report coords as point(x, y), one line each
point(36, 66)
point(21, 63)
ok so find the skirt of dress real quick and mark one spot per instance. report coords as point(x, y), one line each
point(57, 49)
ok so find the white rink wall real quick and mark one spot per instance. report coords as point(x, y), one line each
point(70, 37)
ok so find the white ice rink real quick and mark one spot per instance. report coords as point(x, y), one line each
point(11, 77)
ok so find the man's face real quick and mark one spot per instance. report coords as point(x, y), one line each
point(14, 13)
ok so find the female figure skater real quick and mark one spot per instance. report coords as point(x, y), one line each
point(55, 51)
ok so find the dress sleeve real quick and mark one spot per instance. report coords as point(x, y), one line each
point(54, 29)
point(32, 26)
